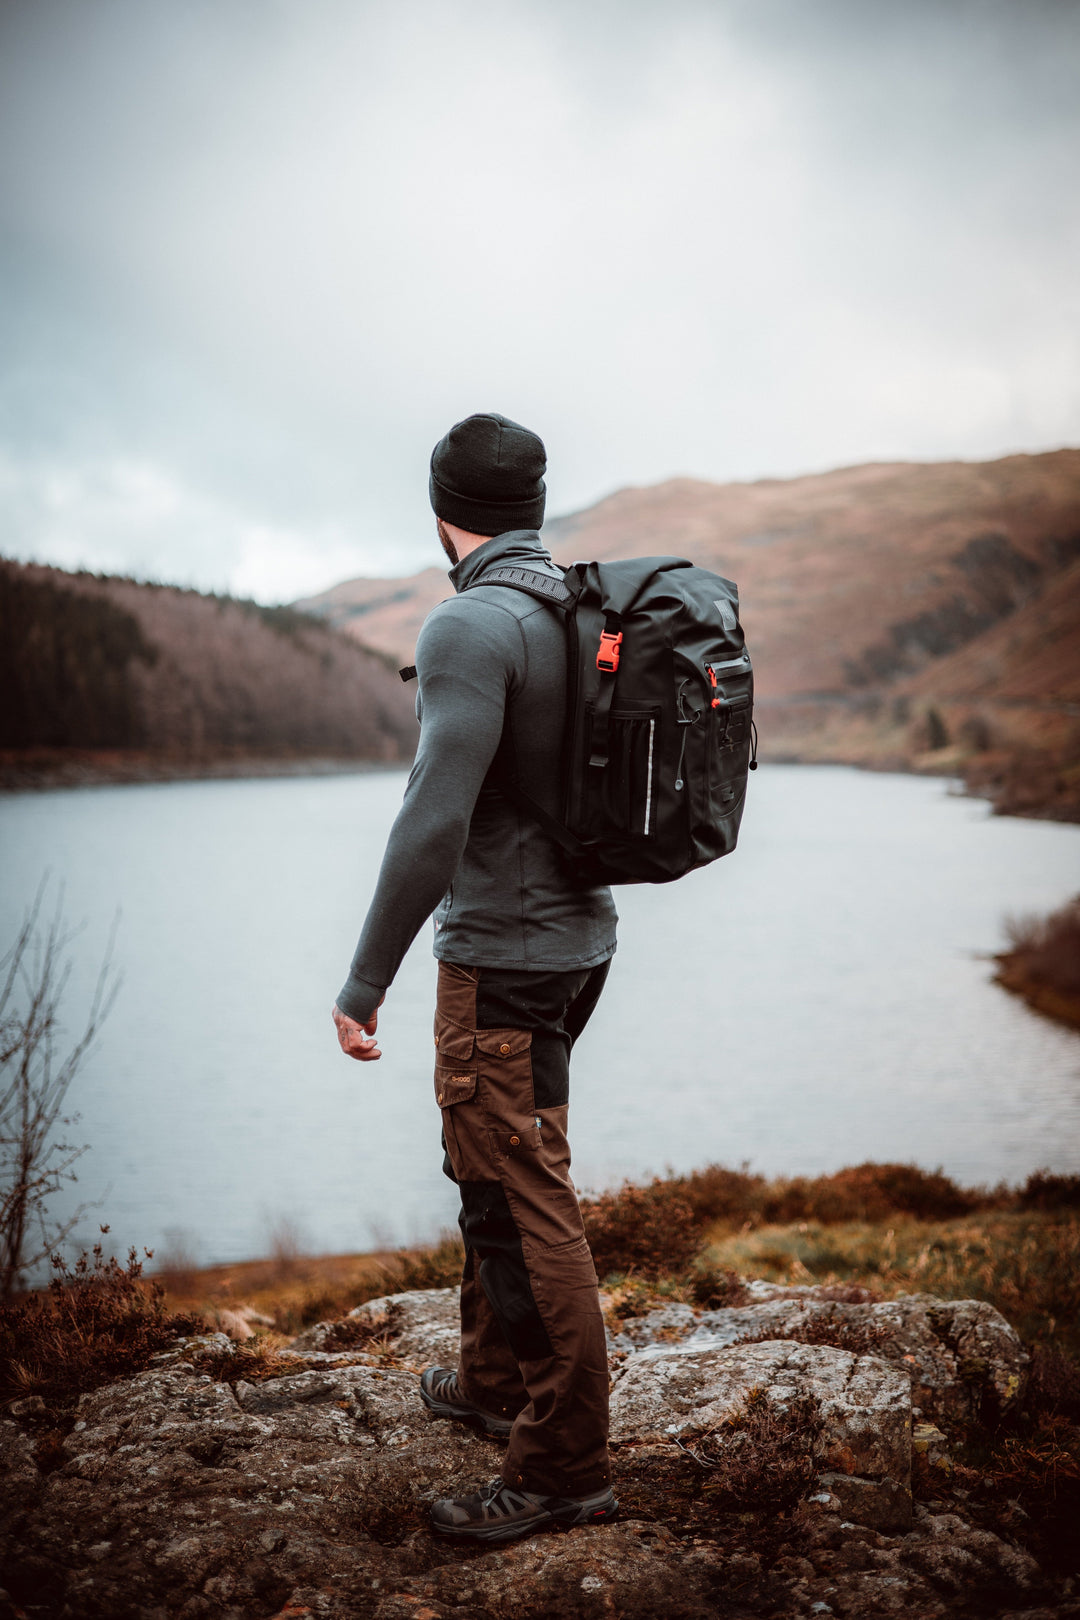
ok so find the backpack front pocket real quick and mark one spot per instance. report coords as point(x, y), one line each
point(621, 795)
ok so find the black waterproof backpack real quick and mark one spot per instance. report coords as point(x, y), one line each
point(660, 732)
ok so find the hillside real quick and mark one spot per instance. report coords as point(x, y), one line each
point(898, 614)
point(383, 613)
point(108, 670)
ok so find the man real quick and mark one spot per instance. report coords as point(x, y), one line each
point(523, 952)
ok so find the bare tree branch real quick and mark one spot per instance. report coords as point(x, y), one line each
point(35, 1077)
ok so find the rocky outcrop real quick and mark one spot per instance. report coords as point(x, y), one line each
point(960, 1354)
point(865, 1403)
point(305, 1493)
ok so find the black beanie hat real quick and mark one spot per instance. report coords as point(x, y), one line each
point(487, 476)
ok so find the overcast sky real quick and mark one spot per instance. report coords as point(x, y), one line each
point(257, 255)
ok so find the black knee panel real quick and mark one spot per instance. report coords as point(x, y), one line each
point(488, 1228)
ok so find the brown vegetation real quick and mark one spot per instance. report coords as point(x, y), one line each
point(309, 1288)
point(656, 1229)
point(857, 1338)
point(760, 1456)
point(1043, 965)
point(94, 663)
point(96, 1321)
point(868, 1232)
point(649, 1230)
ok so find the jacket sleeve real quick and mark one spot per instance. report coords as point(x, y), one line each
point(467, 658)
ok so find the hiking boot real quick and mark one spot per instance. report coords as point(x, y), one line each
point(503, 1512)
point(440, 1394)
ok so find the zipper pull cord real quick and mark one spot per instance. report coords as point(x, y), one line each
point(682, 756)
point(753, 745)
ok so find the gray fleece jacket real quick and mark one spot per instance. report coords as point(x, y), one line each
point(491, 665)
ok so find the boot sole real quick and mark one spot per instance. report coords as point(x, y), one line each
point(567, 1520)
point(498, 1428)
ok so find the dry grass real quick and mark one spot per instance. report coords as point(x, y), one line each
point(1024, 1262)
point(655, 1230)
point(255, 1360)
point(296, 1290)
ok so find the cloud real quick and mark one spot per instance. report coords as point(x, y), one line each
point(124, 516)
point(272, 251)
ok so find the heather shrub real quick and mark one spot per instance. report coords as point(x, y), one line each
point(859, 1338)
point(761, 1456)
point(864, 1192)
point(649, 1230)
point(1054, 1383)
point(719, 1194)
point(1042, 1190)
point(714, 1287)
point(97, 1321)
point(867, 1192)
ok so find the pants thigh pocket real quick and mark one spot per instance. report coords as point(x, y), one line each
point(564, 1267)
point(455, 1092)
point(505, 1082)
point(467, 1144)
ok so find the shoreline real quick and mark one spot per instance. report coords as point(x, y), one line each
point(1045, 999)
point(42, 770)
point(36, 770)
point(865, 1205)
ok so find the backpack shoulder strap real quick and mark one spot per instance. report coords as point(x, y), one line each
point(545, 587)
point(556, 593)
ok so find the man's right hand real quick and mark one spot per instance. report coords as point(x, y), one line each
point(357, 1040)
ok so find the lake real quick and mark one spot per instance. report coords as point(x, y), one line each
point(821, 997)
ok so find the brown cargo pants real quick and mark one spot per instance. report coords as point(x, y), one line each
point(532, 1337)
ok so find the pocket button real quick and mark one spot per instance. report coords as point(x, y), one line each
point(504, 1049)
point(515, 1141)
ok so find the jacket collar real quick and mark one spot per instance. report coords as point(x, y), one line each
point(515, 546)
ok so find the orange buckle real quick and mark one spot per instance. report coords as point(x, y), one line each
point(607, 658)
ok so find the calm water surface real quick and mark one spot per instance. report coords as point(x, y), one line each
point(819, 998)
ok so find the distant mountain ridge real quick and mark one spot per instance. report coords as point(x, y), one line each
point(92, 663)
point(894, 610)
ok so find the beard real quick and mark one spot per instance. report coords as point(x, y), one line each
point(447, 544)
